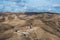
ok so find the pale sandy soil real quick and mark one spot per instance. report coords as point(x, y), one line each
point(30, 27)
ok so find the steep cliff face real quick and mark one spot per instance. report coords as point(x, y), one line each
point(29, 26)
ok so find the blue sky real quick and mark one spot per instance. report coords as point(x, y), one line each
point(30, 6)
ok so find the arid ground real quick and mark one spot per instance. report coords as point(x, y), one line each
point(29, 26)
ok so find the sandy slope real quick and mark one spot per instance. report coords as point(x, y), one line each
point(30, 27)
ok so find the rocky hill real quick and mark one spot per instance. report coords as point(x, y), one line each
point(29, 26)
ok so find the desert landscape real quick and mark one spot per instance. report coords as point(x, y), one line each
point(30, 26)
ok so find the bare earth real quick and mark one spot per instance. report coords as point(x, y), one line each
point(29, 26)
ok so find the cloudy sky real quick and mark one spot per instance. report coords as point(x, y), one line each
point(30, 6)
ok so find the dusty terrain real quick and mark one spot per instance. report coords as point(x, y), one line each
point(29, 26)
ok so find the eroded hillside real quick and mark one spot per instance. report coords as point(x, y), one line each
point(29, 26)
